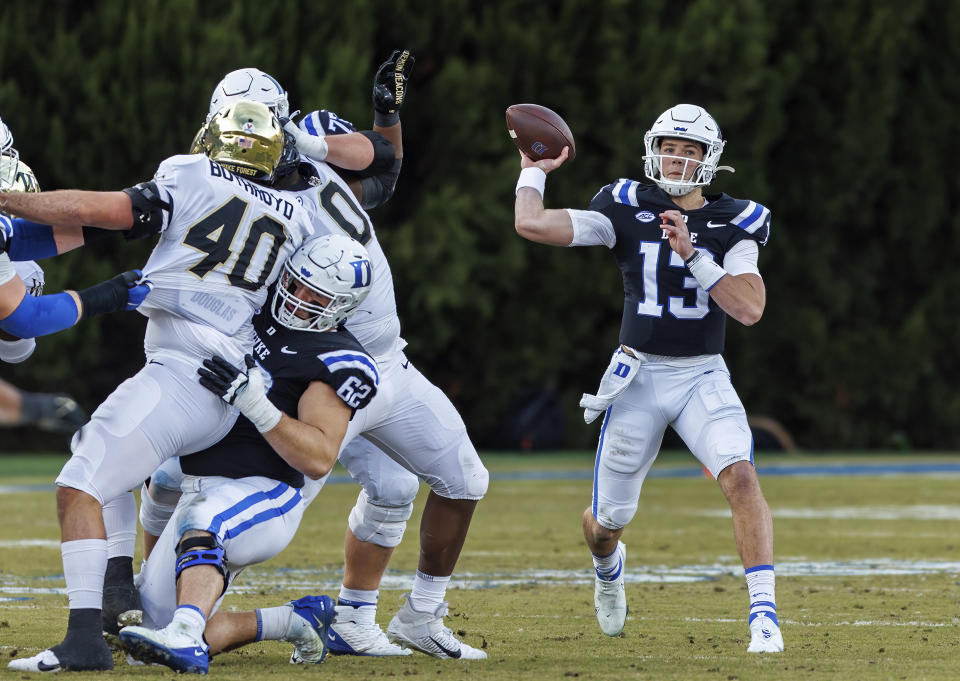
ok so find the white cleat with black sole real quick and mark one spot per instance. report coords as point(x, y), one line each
point(426, 632)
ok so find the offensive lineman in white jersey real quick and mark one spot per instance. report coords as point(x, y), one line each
point(223, 240)
point(411, 421)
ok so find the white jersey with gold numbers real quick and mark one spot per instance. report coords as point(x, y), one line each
point(223, 242)
point(336, 211)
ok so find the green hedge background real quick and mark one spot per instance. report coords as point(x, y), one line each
point(841, 117)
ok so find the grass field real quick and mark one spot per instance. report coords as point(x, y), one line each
point(867, 577)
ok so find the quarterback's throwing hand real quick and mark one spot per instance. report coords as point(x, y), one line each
point(246, 390)
point(545, 164)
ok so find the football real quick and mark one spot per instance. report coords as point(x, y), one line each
point(539, 132)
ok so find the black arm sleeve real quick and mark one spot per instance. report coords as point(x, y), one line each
point(378, 189)
point(383, 155)
point(148, 207)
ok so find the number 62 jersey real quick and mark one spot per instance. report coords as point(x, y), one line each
point(665, 312)
point(223, 240)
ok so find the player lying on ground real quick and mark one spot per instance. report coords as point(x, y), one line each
point(688, 261)
point(242, 499)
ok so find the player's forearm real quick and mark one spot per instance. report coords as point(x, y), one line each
point(394, 135)
point(350, 152)
point(534, 223)
point(306, 448)
point(71, 208)
point(743, 297)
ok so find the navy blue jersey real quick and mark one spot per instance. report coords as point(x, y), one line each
point(665, 312)
point(292, 361)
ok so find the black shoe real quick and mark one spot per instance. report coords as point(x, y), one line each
point(121, 600)
point(83, 648)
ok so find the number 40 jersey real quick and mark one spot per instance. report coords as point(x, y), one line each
point(665, 312)
point(223, 240)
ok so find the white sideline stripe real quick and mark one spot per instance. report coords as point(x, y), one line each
point(918, 512)
point(21, 543)
point(801, 623)
point(257, 580)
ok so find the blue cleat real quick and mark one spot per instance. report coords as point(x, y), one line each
point(169, 646)
point(311, 620)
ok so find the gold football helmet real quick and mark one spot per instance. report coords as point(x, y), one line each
point(246, 138)
point(16, 176)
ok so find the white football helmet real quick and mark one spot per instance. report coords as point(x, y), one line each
point(252, 84)
point(6, 140)
point(333, 266)
point(688, 122)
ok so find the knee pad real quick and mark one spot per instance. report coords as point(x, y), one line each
point(156, 506)
point(201, 551)
point(380, 525)
point(468, 479)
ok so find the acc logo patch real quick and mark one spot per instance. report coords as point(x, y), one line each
point(645, 216)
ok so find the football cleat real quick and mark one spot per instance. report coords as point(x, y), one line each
point(356, 632)
point(426, 632)
point(46, 661)
point(311, 620)
point(765, 636)
point(170, 647)
point(90, 655)
point(610, 598)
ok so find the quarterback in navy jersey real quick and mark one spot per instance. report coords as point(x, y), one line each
point(688, 261)
point(241, 501)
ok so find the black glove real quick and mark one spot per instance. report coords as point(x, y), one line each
point(123, 292)
point(390, 87)
point(59, 413)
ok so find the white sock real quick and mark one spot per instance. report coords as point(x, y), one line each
point(120, 521)
point(761, 587)
point(357, 597)
point(608, 567)
point(428, 592)
point(84, 565)
point(273, 624)
point(190, 620)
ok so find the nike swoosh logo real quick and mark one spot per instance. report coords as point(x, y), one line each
point(199, 653)
point(406, 364)
point(455, 654)
point(287, 352)
point(44, 667)
point(713, 225)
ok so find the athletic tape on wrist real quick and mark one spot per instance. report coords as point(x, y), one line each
point(533, 178)
point(704, 270)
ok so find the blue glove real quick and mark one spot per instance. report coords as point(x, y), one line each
point(138, 288)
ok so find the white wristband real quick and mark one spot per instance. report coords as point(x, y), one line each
point(533, 178)
point(263, 415)
point(307, 144)
point(704, 270)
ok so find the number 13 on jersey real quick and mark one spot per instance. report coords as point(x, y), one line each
point(676, 306)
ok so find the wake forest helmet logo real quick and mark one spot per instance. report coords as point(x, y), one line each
point(246, 138)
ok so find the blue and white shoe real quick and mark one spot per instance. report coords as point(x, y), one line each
point(765, 636)
point(309, 625)
point(355, 632)
point(170, 647)
point(610, 598)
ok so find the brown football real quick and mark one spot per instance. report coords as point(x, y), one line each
point(539, 132)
